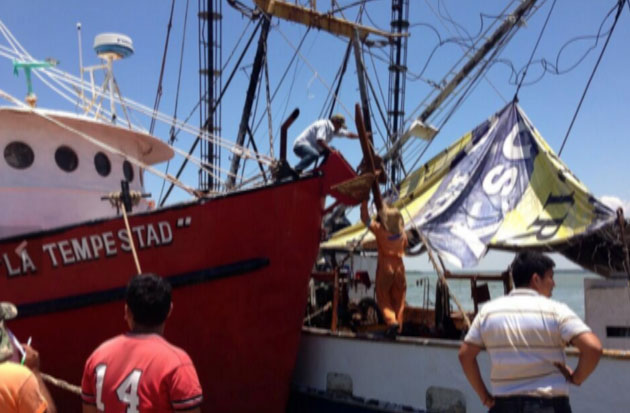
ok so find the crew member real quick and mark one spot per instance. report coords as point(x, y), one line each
point(22, 389)
point(390, 285)
point(525, 333)
point(140, 371)
point(313, 141)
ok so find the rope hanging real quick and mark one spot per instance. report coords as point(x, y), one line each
point(131, 241)
point(520, 83)
point(62, 384)
point(588, 84)
point(116, 199)
point(158, 94)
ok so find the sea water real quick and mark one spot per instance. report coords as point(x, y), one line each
point(569, 289)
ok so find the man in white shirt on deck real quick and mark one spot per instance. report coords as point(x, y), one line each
point(525, 334)
point(313, 141)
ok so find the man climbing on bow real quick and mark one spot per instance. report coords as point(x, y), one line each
point(313, 141)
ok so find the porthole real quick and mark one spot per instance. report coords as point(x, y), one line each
point(102, 164)
point(128, 171)
point(66, 158)
point(19, 155)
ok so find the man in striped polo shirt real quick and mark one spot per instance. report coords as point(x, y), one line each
point(525, 334)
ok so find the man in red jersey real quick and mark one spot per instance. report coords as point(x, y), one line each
point(140, 371)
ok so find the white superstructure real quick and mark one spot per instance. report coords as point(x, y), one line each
point(51, 175)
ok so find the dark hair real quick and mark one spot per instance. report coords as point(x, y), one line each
point(528, 263)
point(149, 299)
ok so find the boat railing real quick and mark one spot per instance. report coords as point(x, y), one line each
point(480, 293)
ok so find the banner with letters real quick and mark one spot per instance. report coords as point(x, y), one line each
point(499, 186)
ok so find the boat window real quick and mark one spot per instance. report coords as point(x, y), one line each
point(66, 158)
point(128, 171)
point(19, 155)
point(102, 164)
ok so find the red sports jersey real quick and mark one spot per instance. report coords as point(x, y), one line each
point(134, 373)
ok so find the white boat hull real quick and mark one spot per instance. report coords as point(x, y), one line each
point(401, 371)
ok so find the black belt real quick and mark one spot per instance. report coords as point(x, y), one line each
point(527, 398)
point(515, 403)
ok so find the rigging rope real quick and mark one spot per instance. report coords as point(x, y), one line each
point(268, 107)
point(342, 69)
point(473, 82)
point(286, 71)
point(459, 41)
point(520, 83)
point(315, 73)
point(158, 93)
point(620, 4)
point(329, 102)
point(471, 85)
point(58, 75)
point(200, 135)
point(179, 73)
point(62, 384)
point(179, 78)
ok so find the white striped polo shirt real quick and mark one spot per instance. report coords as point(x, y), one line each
point(525, 333)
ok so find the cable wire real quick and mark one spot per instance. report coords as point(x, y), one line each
point(534, 51)
point(588, 84)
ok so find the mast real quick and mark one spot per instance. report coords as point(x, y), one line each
point(505, 28)
point(249, 99)
point(310, 17)
point(210, 62)
point(397, 79)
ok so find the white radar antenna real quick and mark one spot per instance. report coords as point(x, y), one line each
point(109, 47)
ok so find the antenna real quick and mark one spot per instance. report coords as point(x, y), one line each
point(109, 47)
point(81, 96)
point(113, 46)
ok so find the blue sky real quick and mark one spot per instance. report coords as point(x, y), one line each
point(597, 149)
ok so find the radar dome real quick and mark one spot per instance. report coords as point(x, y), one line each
point(113, 46)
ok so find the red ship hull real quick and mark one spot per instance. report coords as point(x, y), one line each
point(239, 265)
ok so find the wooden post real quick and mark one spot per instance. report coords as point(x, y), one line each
point(473, 292)
point(356, 43)
point(507, 282)
point(443, 278)
point(622, 230)
point(335, 310)
point(368, 155)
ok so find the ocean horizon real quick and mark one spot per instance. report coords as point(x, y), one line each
point(569, 288)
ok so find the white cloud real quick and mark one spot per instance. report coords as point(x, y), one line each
point(614, 203)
